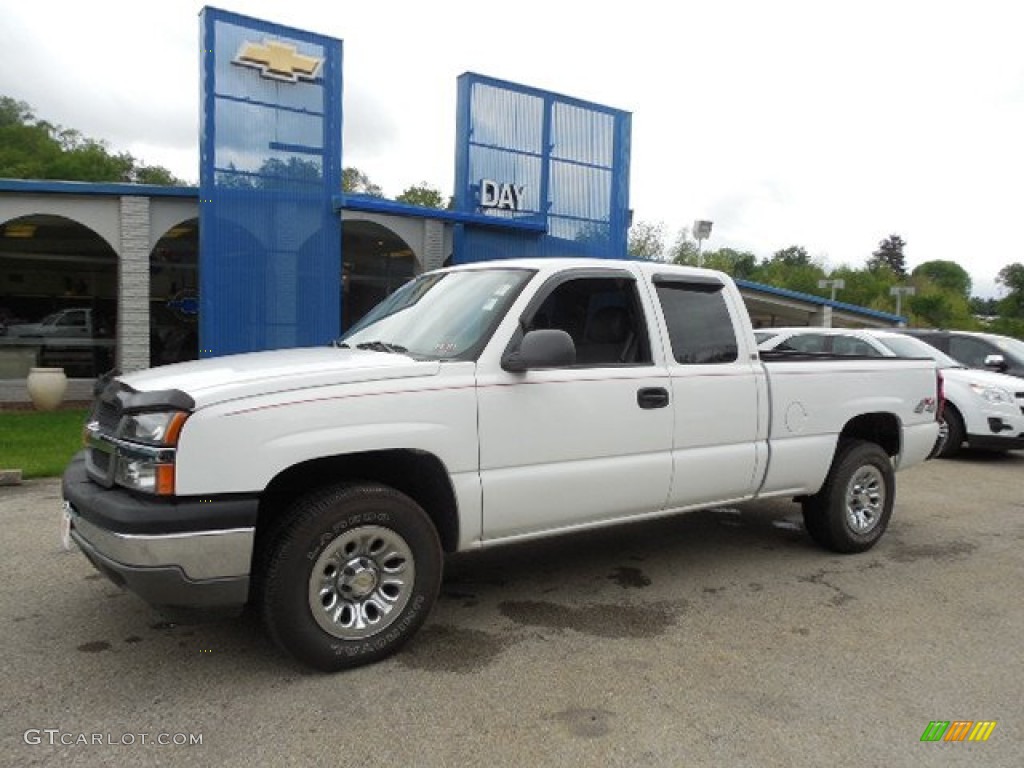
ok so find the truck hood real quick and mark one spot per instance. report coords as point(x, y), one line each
point(261, 373)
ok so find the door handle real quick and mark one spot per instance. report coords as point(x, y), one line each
point(652, 397)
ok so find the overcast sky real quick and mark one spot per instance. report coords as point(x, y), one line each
point(826, 124)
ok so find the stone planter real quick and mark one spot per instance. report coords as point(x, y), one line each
point(46, 387)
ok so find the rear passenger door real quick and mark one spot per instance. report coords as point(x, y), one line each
point(720, 395)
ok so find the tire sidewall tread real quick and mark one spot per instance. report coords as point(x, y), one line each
point(316, 520)
point(956, 435)
point(825, 512)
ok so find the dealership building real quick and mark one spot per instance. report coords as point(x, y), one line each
point(268, 252)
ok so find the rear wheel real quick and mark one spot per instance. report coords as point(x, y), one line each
point(351, 576)
point(852, 510)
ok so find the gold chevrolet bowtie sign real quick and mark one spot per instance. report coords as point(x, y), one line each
point(278, 61)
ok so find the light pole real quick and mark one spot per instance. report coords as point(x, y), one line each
point(899, 291)
point(701, 232)
point(837, 285)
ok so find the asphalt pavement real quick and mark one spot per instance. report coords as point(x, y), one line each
point(722, 637)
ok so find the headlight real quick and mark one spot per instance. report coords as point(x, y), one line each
point(145, 452)
point(160, 428)
point(993, 394)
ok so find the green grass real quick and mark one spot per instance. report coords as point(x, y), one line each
point(40, 443)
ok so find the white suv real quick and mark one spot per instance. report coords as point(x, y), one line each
point(983, 408)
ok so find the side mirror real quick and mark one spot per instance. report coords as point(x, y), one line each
point(543, 348)
point(996, 362)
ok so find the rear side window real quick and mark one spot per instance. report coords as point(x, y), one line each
point(699, 324)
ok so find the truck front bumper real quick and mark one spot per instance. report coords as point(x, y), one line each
point(139, 544)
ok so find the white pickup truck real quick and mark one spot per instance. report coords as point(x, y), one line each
point(479, 405)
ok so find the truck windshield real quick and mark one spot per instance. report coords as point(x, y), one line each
point(441, 315)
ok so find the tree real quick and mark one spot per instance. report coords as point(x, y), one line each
point(947, 274)
point(155, 174)
point(355, 181)
point(35, 149)
point(794, 276)
point(864, 287)
point(647, 241)
point(1011, 277)
point(890, 254)
point(985, 307)
point(739, 264)
point(793, 256)
point(791, 268)
point(684, 251)
point(934, 306)
point(422, 194)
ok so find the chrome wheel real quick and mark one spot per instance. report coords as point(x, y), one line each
point(865, 499)
point(361, 582)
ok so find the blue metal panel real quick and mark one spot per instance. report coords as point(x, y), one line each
point(356, 202)
point(548, 159)
point(270, 164)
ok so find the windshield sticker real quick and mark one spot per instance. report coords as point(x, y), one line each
point(446, 348)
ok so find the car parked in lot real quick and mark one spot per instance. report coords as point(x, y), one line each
point(71, 323)
point(985, 351)
point(983, 408)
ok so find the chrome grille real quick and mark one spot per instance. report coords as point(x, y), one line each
point(100, 458)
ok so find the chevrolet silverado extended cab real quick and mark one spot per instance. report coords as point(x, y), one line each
point(478, 405)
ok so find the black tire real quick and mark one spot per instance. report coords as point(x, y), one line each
point(953, 423)
point(852, 510)
point(351, 576)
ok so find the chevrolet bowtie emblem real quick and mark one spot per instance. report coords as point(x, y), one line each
point(278, 61)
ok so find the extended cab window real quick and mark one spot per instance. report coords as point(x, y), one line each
point(699, 325)
point(603, 317)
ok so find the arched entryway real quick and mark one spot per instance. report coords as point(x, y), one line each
point(174, 295)
point(375, 261)
point(58, 297)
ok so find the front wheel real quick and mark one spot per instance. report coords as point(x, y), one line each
point(852, 510)
point(351, 576)
point(952, 429)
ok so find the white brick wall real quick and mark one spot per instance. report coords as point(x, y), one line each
point(433, 244)
point(133, 285)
